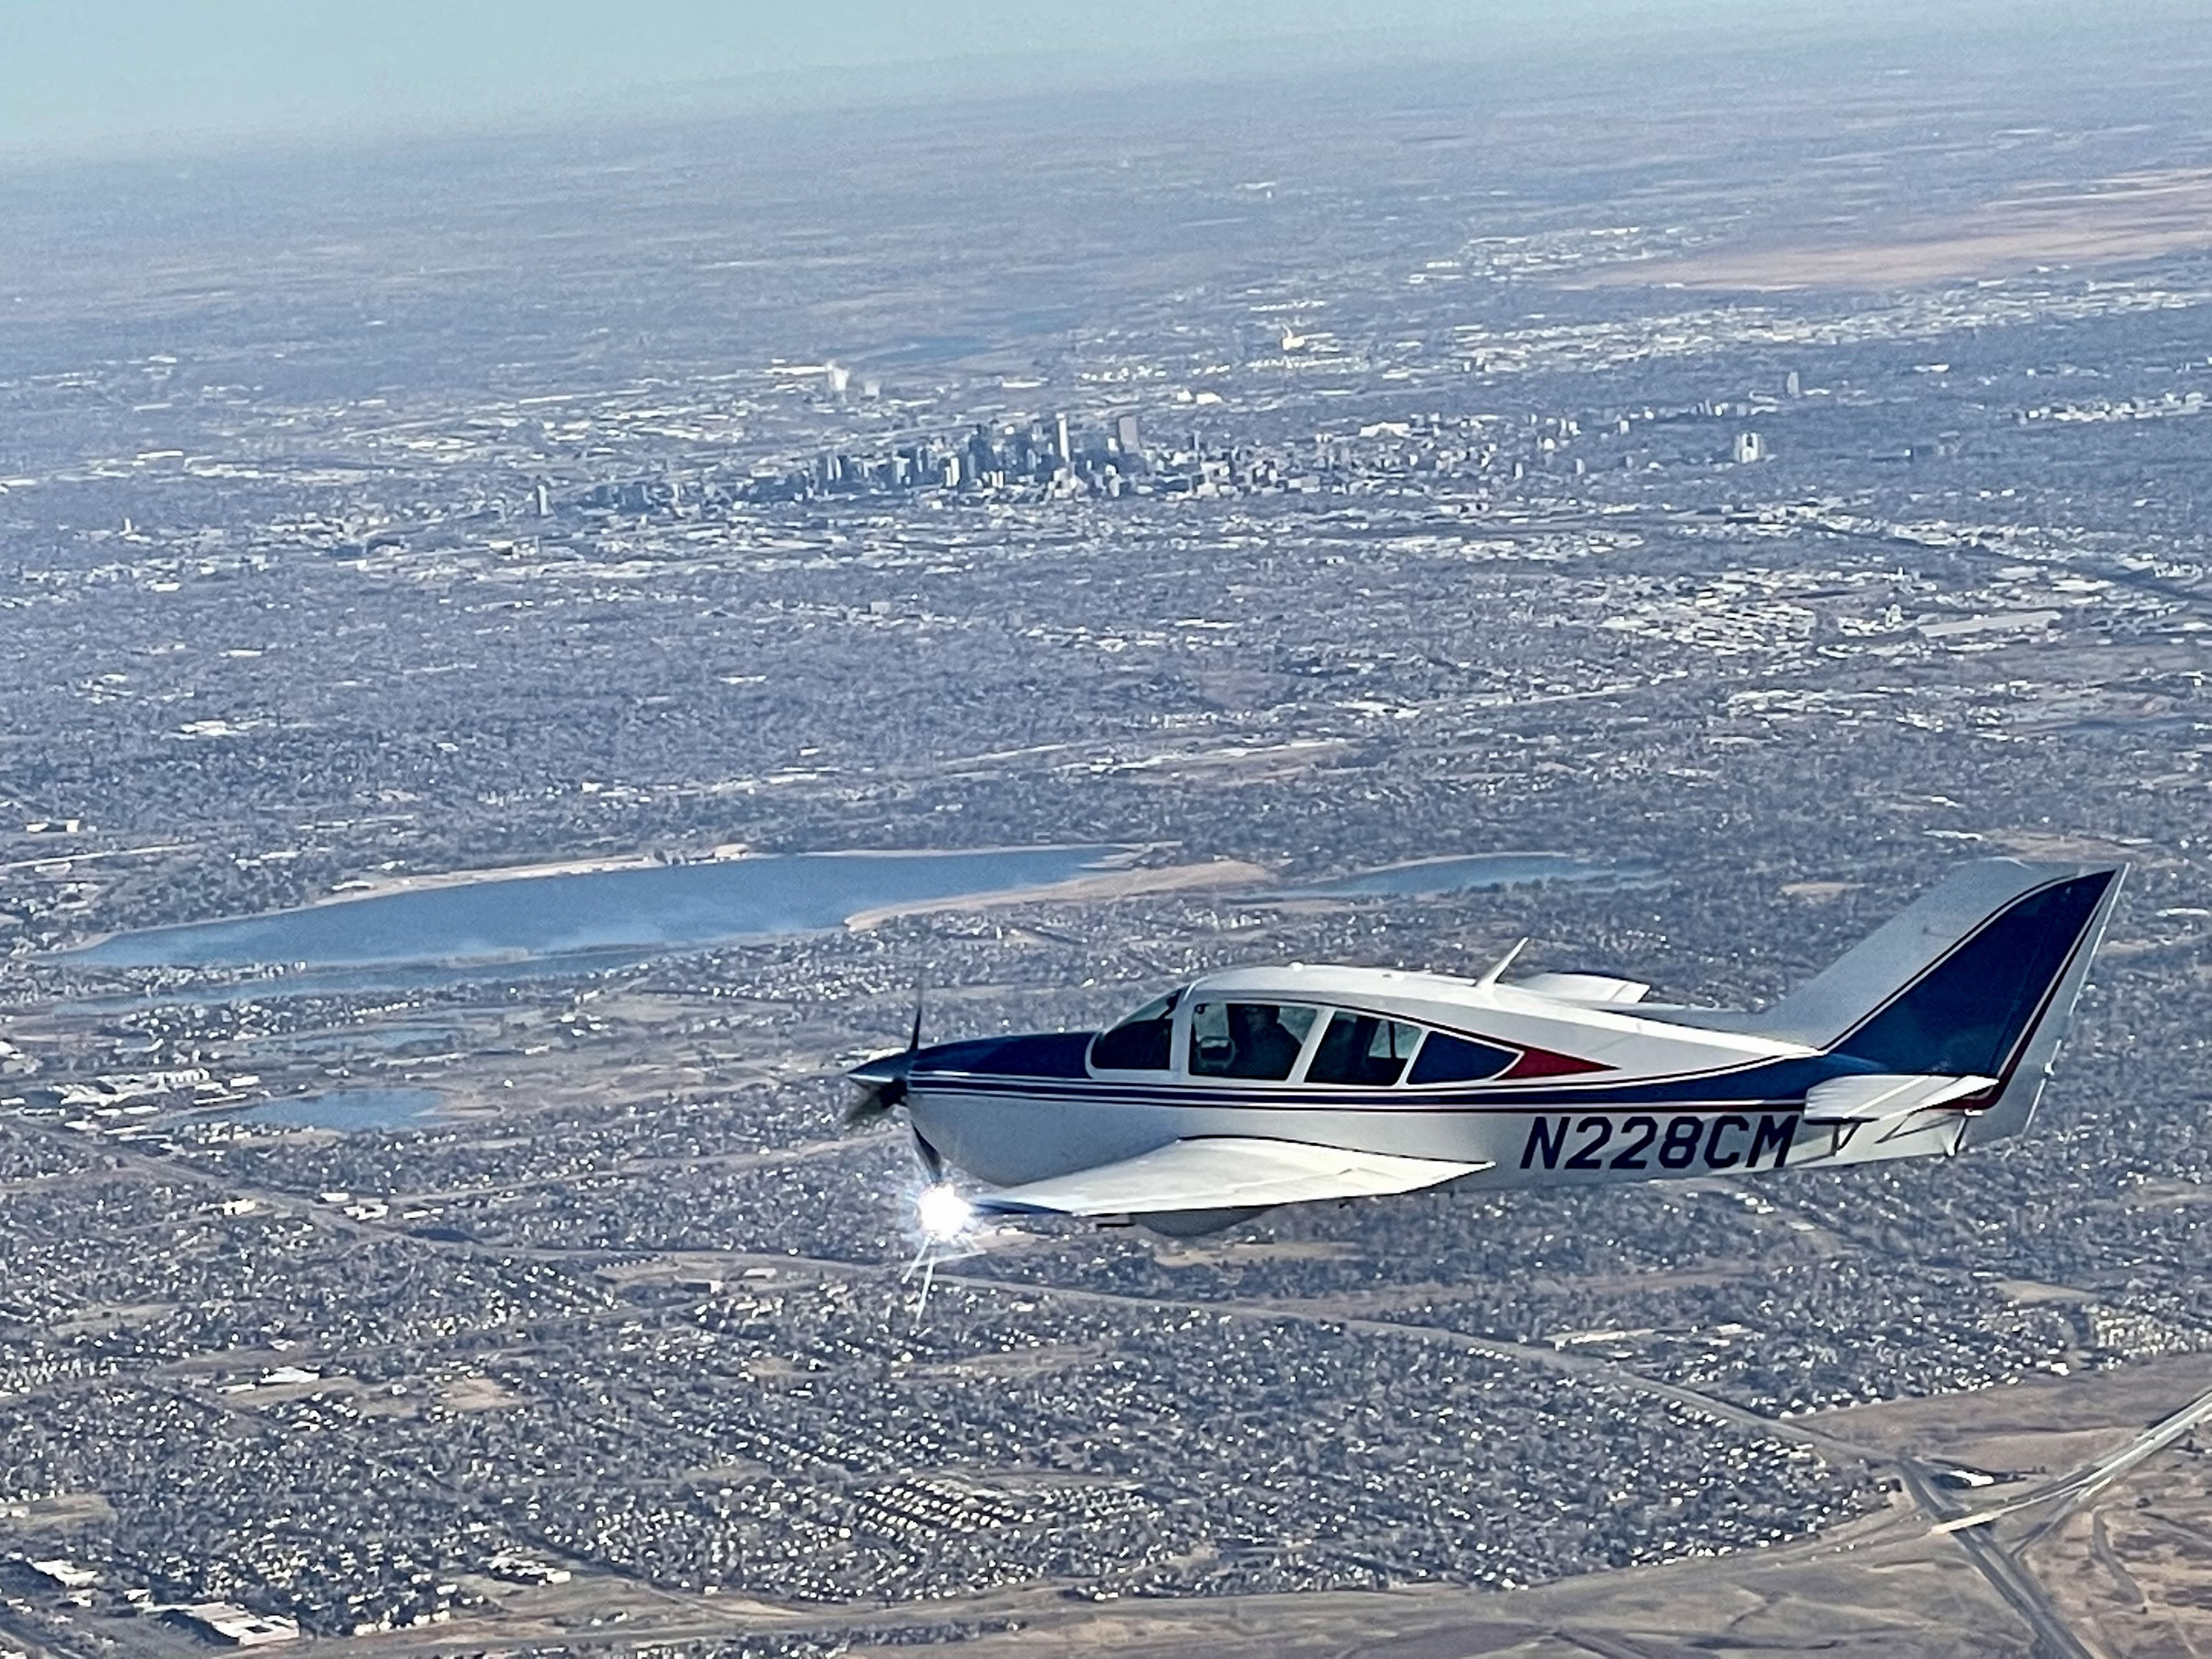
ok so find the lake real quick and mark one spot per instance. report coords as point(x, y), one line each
point(349, 1109)
point(678, 906)
point(526, 927)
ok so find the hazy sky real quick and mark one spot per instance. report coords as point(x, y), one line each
point(139, 77)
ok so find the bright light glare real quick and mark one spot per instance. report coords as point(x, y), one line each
point(943, 1214)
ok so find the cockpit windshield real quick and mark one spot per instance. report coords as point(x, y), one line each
point(1256, 1040)
point(1143, 1042)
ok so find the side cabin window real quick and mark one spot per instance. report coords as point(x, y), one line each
point(1448, 1059)
point(1143, 1042)
point(1363, 1051)
point(1261, 1041)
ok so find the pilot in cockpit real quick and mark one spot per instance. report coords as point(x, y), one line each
point(1262, 1044)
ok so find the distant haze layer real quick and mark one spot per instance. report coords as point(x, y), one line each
point(139, 77)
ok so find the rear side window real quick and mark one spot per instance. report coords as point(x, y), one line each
point(1143, 1042)
point(1447, 1059)
point(1363, 1050)
point(1256, 1040)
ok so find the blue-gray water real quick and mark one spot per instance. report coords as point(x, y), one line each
point(1478, 870)
point(348, 1109)
point(667, 908)
point(530, 926)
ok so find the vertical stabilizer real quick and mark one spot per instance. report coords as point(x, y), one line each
point(1979, 977)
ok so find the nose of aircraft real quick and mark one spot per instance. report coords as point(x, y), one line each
point(884, 1068)
point(881, 1086)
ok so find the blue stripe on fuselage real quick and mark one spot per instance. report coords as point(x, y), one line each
point(1760, 1083)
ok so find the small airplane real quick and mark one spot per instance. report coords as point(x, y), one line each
point(1263, 1086)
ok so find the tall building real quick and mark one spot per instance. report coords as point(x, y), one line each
point(982, 455)
point(1125, 435)
point(1750, 446)
point(1791, 385)
point(1060, 439)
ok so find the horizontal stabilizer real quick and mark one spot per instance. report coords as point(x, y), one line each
point(1223, 1172)
point(1872, 1119)
point(1876, 1099)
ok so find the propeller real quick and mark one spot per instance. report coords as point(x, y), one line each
point(876, 1099)
point(883, 1082)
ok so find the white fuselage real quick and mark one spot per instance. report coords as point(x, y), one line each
point(1581, 1089)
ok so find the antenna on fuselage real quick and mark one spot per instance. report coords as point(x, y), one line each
point(914, 1037)
point(1504, 962)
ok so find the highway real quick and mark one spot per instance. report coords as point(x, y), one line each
point(2088, 1482)
point(2011, 1580)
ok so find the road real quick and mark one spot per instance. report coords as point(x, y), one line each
point(2086, 1483)
point(2010, 1580)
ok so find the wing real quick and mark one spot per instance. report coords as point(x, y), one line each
point(1221, 1172)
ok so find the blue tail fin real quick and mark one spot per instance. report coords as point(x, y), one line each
point(1978, 978)
point(1970, 1012)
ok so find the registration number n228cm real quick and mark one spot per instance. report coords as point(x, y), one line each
point(1730, 1140)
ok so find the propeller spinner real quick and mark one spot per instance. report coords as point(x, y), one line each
point(883, 1082)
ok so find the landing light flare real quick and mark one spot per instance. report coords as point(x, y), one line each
point(942, 1213)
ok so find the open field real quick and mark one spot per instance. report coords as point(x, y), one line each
point(2114, 221)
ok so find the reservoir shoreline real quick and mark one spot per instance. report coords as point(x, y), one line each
point(637, 906)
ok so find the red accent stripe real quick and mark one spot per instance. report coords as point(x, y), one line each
point(1542, 1062)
